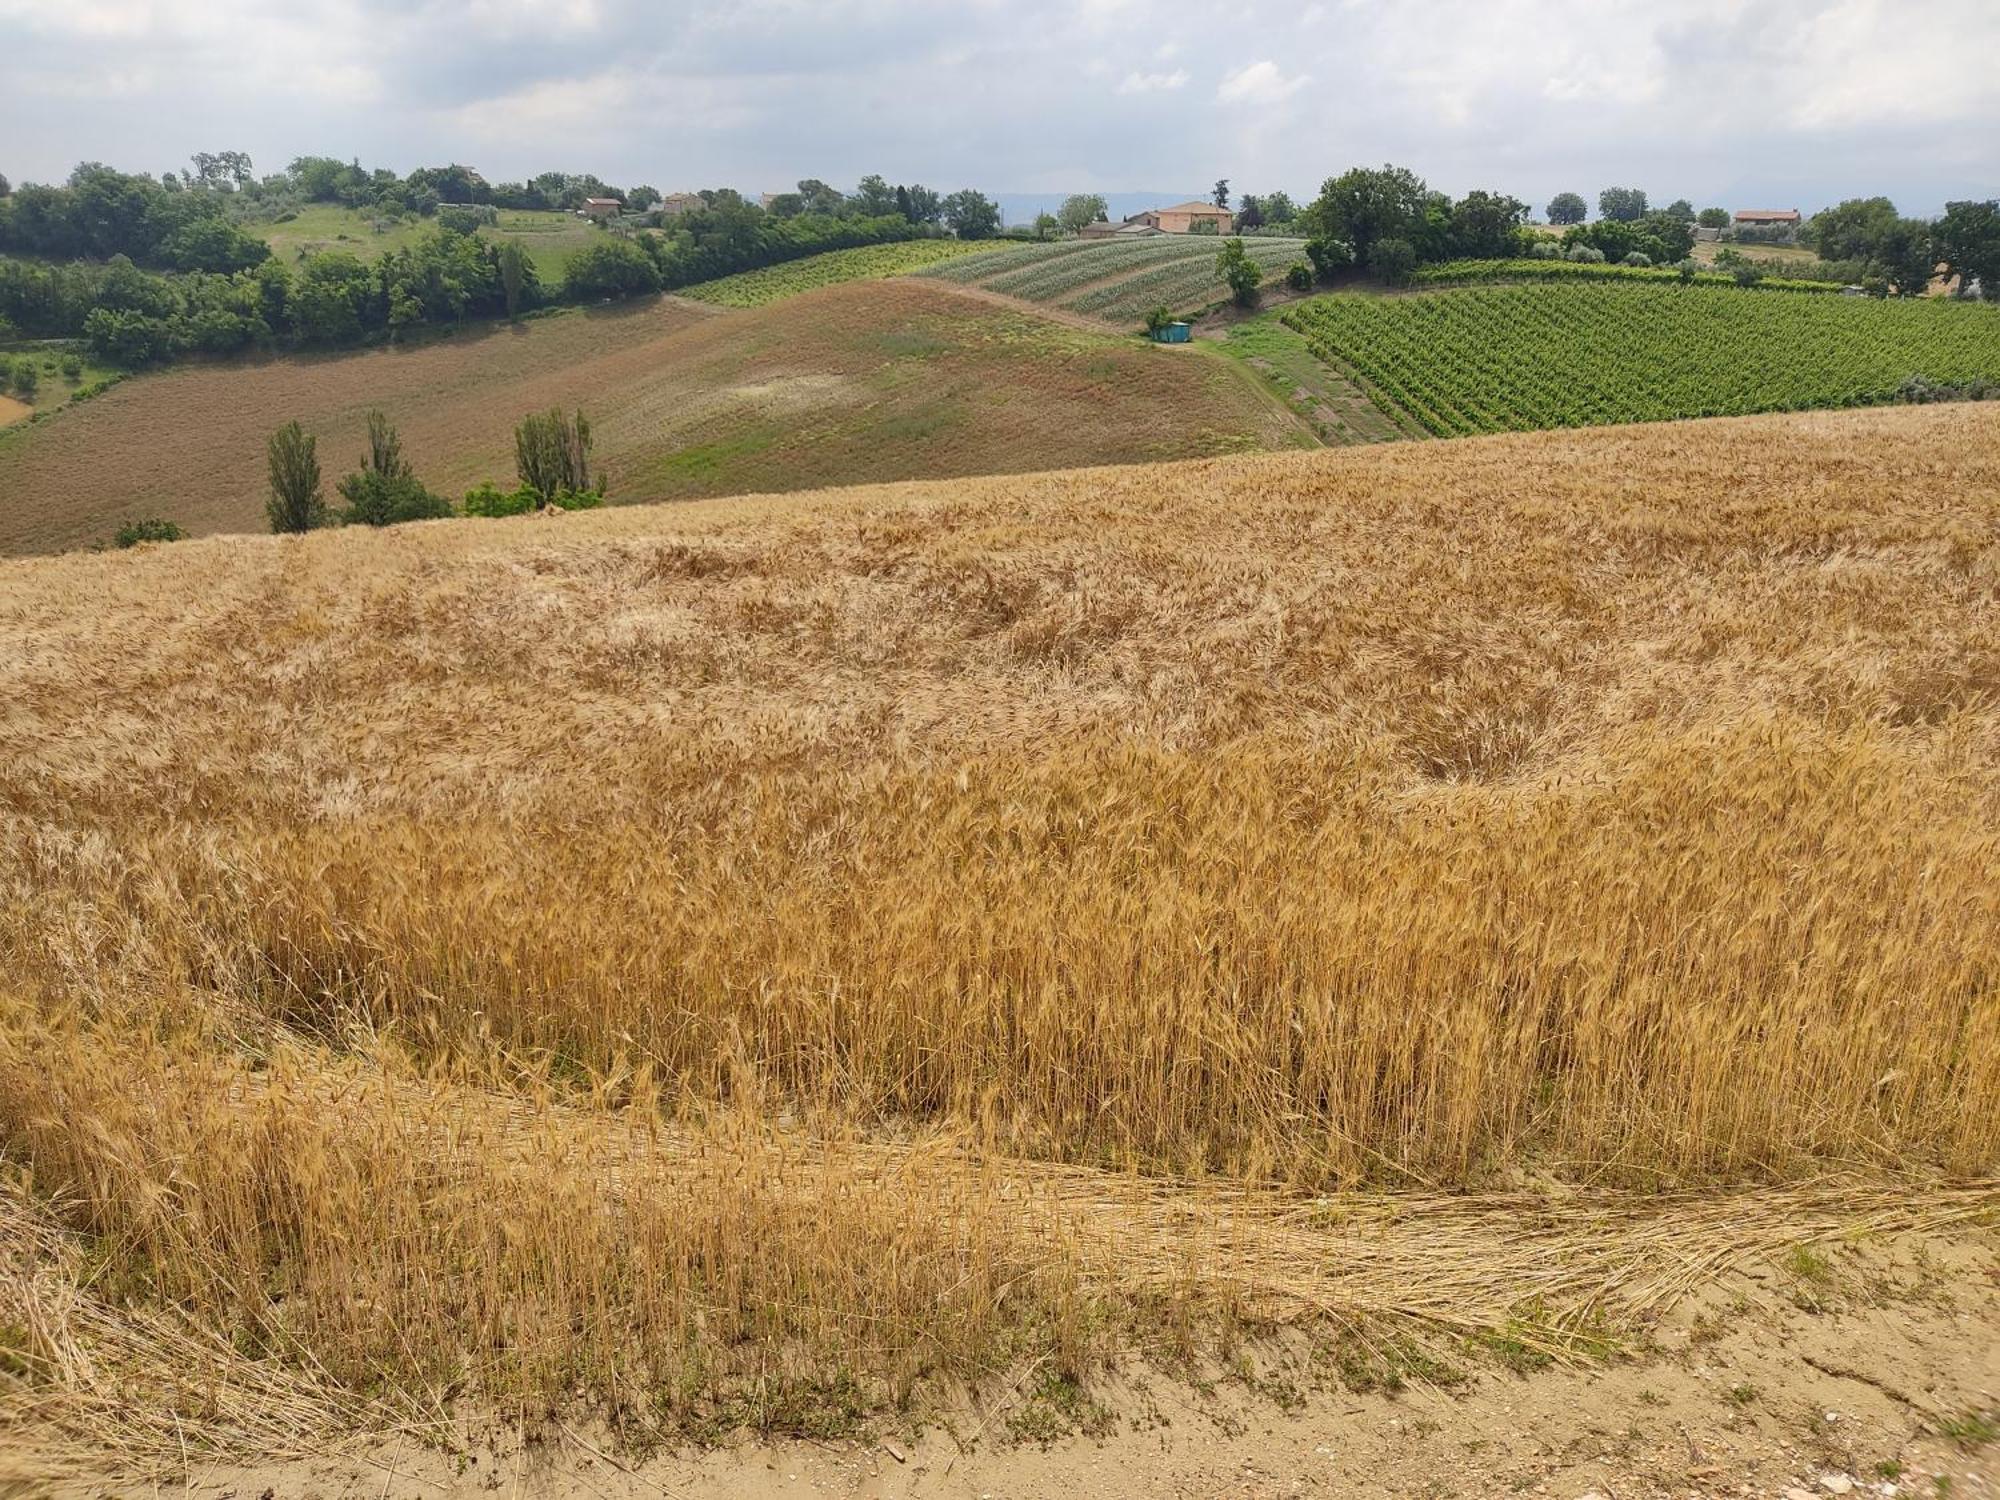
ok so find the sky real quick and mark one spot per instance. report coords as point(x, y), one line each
point(1741, 103)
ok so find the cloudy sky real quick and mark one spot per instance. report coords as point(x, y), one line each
point(1760, 103)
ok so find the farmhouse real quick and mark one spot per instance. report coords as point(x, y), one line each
point(601, 208)
point(680, 203)
point(1183, 218)
point(1767, 218)
point(1102, 229)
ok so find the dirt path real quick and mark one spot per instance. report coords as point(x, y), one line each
point(1780, 1378)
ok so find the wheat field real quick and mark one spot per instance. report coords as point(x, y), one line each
point(764, 958)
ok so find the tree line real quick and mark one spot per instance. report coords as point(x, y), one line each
point(149, 269)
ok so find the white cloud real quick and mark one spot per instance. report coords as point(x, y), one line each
point(1153, 83)
point(1258, 83)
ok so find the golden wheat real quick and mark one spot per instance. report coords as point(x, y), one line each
point(667, 955)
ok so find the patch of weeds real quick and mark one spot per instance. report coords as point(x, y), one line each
point(1814, 1273)
point(1513, 1349)
point(16, 1353)
point(1651, 1397)
point(1889, 1468)
point(1057, 1407)
point(1972, 1429)
point(1740, 1394)
point(1389, 1365)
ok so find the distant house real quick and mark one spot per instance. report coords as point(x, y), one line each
point(1183, 217)
point(1102, 229)
point(601, 208)
point(1135, 229)
point(681, 203)
point(1767, 218)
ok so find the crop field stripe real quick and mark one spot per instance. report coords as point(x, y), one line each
point(1510, 358)
point(864, 263)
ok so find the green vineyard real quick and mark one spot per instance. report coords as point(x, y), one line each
point(1522, 358)
point(775, 283)
point(1118, 281)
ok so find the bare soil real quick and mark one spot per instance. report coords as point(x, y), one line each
point(868, 381)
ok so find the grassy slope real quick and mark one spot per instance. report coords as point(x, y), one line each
point(1117, 281)
point(872, 380)
point(550, 238)
point(1556, 806)
point(1498, 358)
point(771, 284)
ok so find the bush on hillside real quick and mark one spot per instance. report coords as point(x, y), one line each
point(24, 377)
point(1584, 255)
point(1328, 256)
point(1299, 276)
point(610, 268)
point(489, 500)
point(1637, 258)
point(1393, 261)
point(552, 454)
point(1545, 250)
point(152, 529)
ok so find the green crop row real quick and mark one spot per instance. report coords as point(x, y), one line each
point(1517, 358)
point(774, 283)
point(1465, 272)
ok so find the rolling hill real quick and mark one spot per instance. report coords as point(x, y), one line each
point(1416, 911)
point(1116, 282)
point(870, 380)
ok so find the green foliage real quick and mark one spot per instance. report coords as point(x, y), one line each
point(1968, 242)
point(1364, 206)
point(516, 274)
point(1237, 271)
point(1713, 218)
point(1046, 224)
point(552, 453)
point(1568, 208)
point(24, 376)
point(611, 268)
point(295, 503)
point(152, 529)
point(467, 218)
point(1486, 226)
point(971, 215)
point(1850, 230)
point(1519, 358)
point(1680, 209)
point(1328, 256)
point(1299, 276)
point(72, 367)
point(384, 492)
point(1393, 260)
point(1080, 209)
point(775, 283)
point(1158, 318)
point(1625, 205)
point(488, 499)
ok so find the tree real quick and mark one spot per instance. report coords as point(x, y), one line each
point(1250, 213)
point(513, 263)
point(1968, 242)
point(1486, 226)
point(295, 503)
point(1393, 260)
point(383, 491)
point(1364, 206)
point(1221, 192)
point(1851, 230)
point(1624, 205)
point(641, 198)
point(1241, 274)
point(1680, 209)
point(1568, 208)
point(552, 453)
point(820, 198)
point(971, 215)
point(1046, 224)
point(610, 268)
point(1079, 209)
point(1713, 218)
point(1907, 254)
point(1278, 207)
point(926, 207)
point(875, 198)
point(6, 187)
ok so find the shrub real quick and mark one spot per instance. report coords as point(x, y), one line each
point(1747, 272)
point(1637, 258)
point(382, 500)
point(1328, 256)
point(1687, 271)
point(1584, 255)
point(25, 377)
point(552, 453)
point(1158, 318)
point(72, 367)
point(1544, 250)
point(1299, 276)
point(1393, 260)
point(464, 218)
point(152, 529)
point(610, 268)
point(1242, 274)
point(488, 499)
point(295, 503)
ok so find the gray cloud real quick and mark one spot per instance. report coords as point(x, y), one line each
point(1791, 101)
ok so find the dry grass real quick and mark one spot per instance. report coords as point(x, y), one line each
point(691, 960)
point(876, 380)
